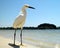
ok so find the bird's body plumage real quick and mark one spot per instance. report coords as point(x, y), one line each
point(20, 20)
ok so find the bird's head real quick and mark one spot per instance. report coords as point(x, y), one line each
point(27, 6)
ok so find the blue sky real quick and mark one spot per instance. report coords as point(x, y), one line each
point(47, 11)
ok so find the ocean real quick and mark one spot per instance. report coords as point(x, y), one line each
point(48, 38)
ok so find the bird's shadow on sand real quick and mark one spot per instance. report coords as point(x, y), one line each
point(14, 46)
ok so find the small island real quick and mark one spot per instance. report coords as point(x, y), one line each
point(47, 26)
point(41, 26)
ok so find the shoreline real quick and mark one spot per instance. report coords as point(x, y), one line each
point(4, 43)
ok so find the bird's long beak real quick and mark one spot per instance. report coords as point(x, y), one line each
point(31, 7)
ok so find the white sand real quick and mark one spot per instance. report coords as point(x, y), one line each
point(4, 43)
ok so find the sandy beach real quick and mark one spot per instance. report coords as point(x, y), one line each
point(4, 43)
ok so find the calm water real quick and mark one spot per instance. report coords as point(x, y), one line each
point(34, 37)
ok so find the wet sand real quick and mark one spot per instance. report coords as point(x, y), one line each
point(4, 44)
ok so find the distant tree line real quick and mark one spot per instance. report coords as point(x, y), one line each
point(41, 26)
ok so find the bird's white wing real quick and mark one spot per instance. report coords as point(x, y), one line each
point(19, 21)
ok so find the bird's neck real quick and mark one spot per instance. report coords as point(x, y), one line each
point(23, 11)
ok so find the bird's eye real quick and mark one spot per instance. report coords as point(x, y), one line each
point(26, 6)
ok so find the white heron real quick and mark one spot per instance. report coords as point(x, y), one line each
point(20, 20)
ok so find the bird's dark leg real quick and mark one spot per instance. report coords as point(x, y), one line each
point(14, 36)
point(21, 37)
